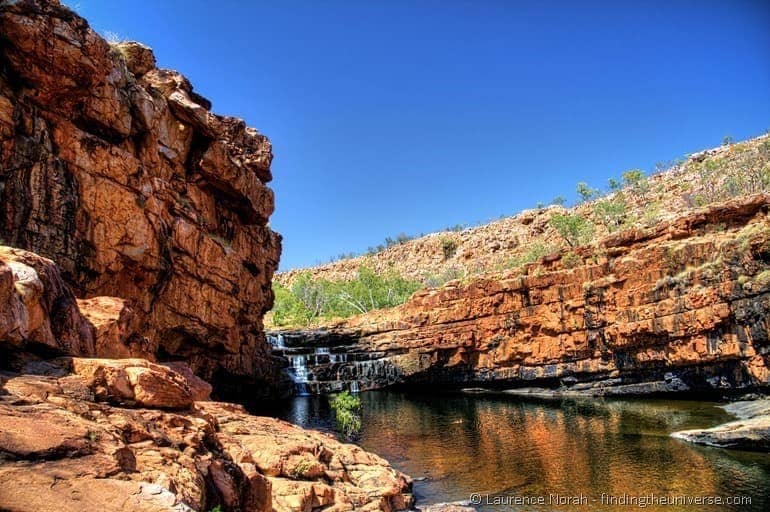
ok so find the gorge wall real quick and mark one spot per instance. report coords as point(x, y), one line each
point(118, 172)
point(135, 249)
point(679, 306)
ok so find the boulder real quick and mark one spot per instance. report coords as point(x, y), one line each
point(134, 381)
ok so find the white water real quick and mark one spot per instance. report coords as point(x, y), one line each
point(299, 368)
point(276, 341)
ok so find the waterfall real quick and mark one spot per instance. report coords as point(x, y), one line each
point(275, 340)
point(299, 374)
point(319, 364)
point(299, 366)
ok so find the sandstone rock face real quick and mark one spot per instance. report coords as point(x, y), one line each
point(135, 381)
point(117, 171)
point(89, 441)
point(38, 311)
point(681, 306)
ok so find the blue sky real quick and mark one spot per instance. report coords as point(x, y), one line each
point(409, 116)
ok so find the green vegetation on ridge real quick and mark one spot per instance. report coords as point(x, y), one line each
point(631, 200)
point(307, 300)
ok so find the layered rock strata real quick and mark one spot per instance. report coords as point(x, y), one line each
point(118, 171)
point(681, 306)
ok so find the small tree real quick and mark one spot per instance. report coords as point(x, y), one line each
point(558, 201)
point(611, 213)
point(346, 409)
point(585, 192)
point(633, 177)
point(311, 294)
point(574, 229)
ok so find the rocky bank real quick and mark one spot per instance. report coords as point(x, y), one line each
point(113, 435)
point(118, 172)
point(128, 434)
point(751, 431)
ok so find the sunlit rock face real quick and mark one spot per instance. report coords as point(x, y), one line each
point(682, 306)
point(119, 172)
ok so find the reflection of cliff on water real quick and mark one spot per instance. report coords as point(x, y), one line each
point(492, 444)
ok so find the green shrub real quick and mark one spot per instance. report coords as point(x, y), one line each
point(446, 275)
point(536, 251)
point(636, 180)
point(309, 299)
point(585, 192)
point(651, 213)
point(346, 409)
point(558, 201)
point(727, 140)
point(574, 229)
point(610, 212)
point(571, 260)
point(633, 177)
point(302, 468)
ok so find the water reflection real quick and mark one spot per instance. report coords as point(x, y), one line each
point(501, 446)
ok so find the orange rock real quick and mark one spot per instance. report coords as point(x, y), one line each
point(60, 450)
point(695, 303)
point(119, 172)
point(134, 381)
point(37, 308)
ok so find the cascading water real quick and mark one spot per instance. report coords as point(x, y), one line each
point(276, 340)
point(319, 363)
point(299, 371)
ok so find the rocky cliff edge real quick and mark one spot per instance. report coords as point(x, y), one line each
point(118, 172)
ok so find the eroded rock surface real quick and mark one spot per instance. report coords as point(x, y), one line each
point(125, 435)
point(119, 172)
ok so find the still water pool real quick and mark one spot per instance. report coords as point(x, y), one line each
point(512, 452)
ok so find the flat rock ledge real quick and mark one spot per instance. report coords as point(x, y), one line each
point(750, 432)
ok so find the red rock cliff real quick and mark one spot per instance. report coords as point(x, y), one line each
point(680, 306)
point(117, 171)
